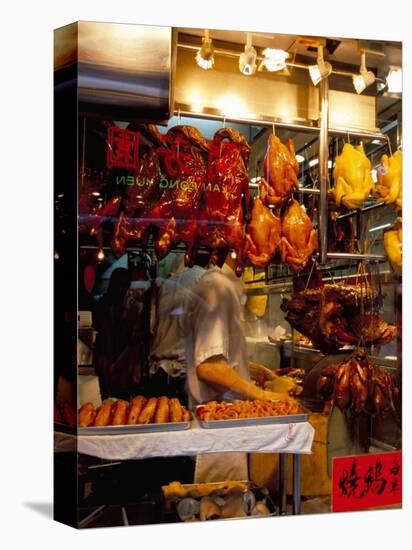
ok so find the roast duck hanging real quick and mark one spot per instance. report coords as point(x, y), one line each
point(263, 233)
point(389, 173)
point(353, 177)
point(180, 181)
point(281, 170)
point(226, 196)
point(335, 315)
point(359, 386)
point(299, 240)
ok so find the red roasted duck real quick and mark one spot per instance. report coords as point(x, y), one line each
point(226, 195)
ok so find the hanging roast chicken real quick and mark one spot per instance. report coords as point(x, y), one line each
point(335, 315)
point(281, 170)
point(389, 174)
point(392, 243)
point(299, 240)
point(226, 194)
point(353, 177)
point(263, 233)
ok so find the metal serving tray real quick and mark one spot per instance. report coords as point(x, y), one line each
point(135, 428)
point(263, 420)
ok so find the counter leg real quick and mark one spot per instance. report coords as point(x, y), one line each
point(296, 484)
point(282, 484)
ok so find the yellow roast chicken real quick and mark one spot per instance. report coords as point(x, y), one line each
point(255, 304)
point(353, 177)
point(389, 186)
point(392, 242)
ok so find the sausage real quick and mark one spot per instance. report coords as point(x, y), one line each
point(148, 412)
point(162, 411)
point(120, 409)
point(87, 415)
point(176, 411)
point(136, 407)
point(104, 414)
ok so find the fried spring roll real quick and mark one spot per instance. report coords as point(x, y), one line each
point(104, 414)
point(176, 410)
point(87, 415)
point(136, 407)
point(162, 411)
point(120, 409)
point(148, 413)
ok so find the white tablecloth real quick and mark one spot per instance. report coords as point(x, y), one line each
point(278, 438)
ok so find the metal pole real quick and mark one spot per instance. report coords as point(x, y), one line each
point(296, 484)
point(323, 170)
point(282, 484)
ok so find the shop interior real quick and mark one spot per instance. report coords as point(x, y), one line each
point(335, 303)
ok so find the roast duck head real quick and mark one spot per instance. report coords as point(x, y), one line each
point(357, 384)
point(353, 177)
point(281, 170)
point(334, 315)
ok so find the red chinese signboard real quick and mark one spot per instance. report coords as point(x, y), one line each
point(122, 148)
point(366, 481)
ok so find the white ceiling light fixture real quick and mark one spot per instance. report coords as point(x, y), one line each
point(313, 162)
point(300, 158)
point(394, 80)
point(247, 60)
point(205, 55)
point(273, 60)
point(321, 70)
point(365, 78)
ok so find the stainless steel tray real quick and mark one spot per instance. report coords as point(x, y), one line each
point(134, 428)
point(263, 420)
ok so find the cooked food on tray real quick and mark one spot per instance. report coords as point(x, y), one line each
point(219, 500)
point(65, 413)
point(247, 409)
point(156, 410)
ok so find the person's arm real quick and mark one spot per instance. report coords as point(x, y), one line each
point(216, 372)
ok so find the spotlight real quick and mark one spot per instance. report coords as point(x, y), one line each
point(321, 70)
point(247, 60)
point(204, 56)
point(273, 60)
point(365, 78)
point(394, 80)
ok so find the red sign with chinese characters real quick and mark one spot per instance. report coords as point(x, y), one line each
point(366, 481)
point(122, 148)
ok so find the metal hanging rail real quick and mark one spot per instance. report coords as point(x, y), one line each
point(268, 123)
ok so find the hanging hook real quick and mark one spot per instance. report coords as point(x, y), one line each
point(178, 116)
point(347, 135)
point(224, 121)
point(274, 128)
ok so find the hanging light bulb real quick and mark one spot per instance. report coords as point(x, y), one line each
point(394, 80)
point(321, 70)
point(204, 56)
point(100, 255)
point(365, 78)
point(247, 60)
point(273, 60)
